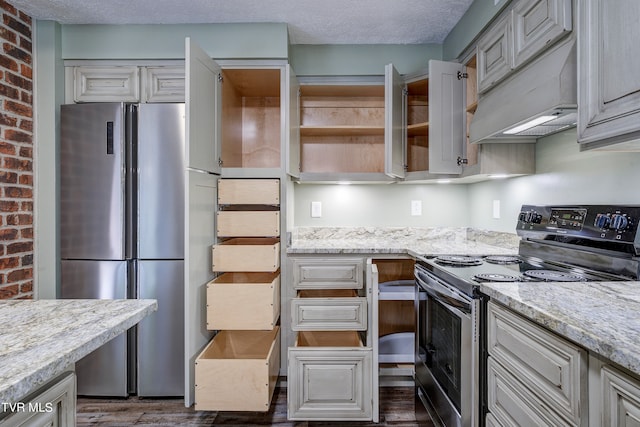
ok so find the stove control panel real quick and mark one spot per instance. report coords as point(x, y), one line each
point(595, 222)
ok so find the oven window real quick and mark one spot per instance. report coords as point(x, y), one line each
point(445, 328)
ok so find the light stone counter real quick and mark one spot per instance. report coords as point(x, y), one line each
point(603, 317)
point(401, 240)
point(41, 339)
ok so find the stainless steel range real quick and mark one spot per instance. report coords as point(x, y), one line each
point(558, 244)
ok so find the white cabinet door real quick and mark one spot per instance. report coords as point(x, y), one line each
point(373, 334)
point(292, 109)
point(106, 84)
point(163, 84)
point(620, 399)
point(446, 117)
point(203, 100)
point(608, 84)
point(394, 128)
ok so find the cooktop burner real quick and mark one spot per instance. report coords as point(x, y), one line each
point(502, 259)
point(554, 276)
point(458, 260)
point(495, 277)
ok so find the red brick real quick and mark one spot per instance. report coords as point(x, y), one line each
point(27, 287)
point(20, 219)
point(17, 136)
point(8, 263)
point(13, 23)
point(26, 152)
point(26, 180)
point(26, 206)
point(26, 71)
point(19, 275)
point(18, 81)
point(7, 148)
point(8, 206)
point(19, 247)
point(9, 92)
point(7, 7)
point(17, 164)
point(8, 63)
point(26, 125)
point(8, 291)
point(8, 177)
point(8, 120)
point(18, 108)
point(26, 45)
point(25, 18)
point(18, 192)
point(26, 233)
point(27, 260)
point(8, 35)
point(8, 234)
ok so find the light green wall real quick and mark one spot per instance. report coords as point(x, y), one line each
point(341, 60)
point(221, 41)
point(479, 14)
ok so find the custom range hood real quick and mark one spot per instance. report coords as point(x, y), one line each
point(537, 100)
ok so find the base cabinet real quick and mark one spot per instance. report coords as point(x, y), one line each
point(329, 377)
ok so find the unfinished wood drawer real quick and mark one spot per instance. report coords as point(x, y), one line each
point(237, 301)
point(238, 371)
point(329, 377)
point(328, 273)
point(249, 192)
point(247, 255)
point(248, 223)
point(328, 310)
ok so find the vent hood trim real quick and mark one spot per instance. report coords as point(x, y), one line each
point(547, 86)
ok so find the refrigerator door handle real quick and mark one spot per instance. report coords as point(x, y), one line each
point(131, 180)
point(110, 138)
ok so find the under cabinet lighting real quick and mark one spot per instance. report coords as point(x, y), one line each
point(528, 125)
point(498, 176)
point(443, 181)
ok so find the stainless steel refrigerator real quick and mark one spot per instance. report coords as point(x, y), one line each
point(122, 236)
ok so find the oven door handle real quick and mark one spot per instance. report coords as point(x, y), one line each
point(441, 291)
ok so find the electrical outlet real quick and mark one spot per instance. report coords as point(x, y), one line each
point(496, 209)
point(316, 209)
point(416, 207)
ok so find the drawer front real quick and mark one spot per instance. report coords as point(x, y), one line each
point(331, 384)
point(512, 404)
point(537, 24)
point(328, 273)
point(550, 366)
point(248, 223)
point(324, 314)
point(106, 84)
point(249, 192)
point(246, 257)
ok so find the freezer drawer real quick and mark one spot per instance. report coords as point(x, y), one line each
point(237, 301)
point(331, 309)
point(238, 371)
point(330, 377)
point(160, 336)
point(247, 255)
point(104, 371)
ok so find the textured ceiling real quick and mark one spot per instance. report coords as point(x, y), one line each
point(309, 21)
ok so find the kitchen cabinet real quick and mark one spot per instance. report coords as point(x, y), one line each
point(614, 395)
point(237, 371)
point(52, 405)
point(162, 83)
point(608, 87)
point(332, 362)
point(520, 34)
point(534, 376)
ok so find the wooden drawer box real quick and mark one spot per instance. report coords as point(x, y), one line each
point(329, 377)
point(238, 371)
point(249, 192)
point(338, 273)
point(328, 310)
point(248, 223)
point(246, 255)
point(243, 301)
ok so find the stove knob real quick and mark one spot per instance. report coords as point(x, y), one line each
point(602, 221)
point(619, 222)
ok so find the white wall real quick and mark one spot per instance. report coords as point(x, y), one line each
point(564, 175)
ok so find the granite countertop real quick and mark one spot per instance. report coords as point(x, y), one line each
point(600, 316)
point(401, 240)
point(43, 338)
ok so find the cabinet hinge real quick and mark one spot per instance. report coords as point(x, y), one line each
point(405, 91)
point(220, 162)
point(462, 75)
point(460, 161)
point(220, 78)
point(406, 168)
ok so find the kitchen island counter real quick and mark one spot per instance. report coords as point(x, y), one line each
point(600, 316)
point(41, 339)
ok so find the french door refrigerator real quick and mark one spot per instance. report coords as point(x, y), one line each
point(122, 236)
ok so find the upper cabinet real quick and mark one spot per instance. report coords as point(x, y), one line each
point(608, 86)
point(520, 34)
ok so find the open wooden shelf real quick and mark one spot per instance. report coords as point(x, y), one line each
point(341, 130)
point(418, 129)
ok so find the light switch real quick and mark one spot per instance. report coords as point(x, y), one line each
point(316, 209)
point(416, 207)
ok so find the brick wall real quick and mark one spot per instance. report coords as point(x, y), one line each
point(16, 154)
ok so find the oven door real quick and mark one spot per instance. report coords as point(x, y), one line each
point(447, 354)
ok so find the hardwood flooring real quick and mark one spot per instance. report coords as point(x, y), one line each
point(396, 409)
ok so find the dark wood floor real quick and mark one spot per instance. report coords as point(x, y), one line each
point(396, 409)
